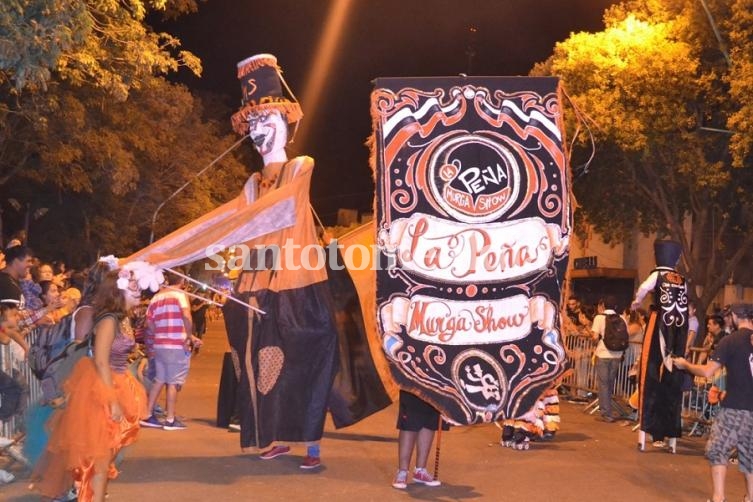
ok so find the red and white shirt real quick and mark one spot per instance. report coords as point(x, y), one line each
point(165, 313)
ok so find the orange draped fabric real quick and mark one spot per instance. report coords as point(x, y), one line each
point(82, 434)
point(241, 220)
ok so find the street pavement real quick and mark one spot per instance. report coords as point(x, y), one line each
point(587, 461)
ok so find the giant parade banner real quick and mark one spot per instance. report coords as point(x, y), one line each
point(473, 221)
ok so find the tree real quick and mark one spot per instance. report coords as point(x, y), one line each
point(99, 44)
point(104, 42)
point(91, 129)
point(660, 95)
point(105, 166)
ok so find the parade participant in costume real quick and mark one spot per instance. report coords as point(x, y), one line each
point(660, 384)
point(733, 424)
point(288, 356)
point(104, 401)
point(540, 422)
point(81, 327)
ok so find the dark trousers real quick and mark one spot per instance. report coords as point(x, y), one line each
point(606, 375)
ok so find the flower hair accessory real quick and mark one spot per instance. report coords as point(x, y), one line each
point(146, 275)
point(111, 261)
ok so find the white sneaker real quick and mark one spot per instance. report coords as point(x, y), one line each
point(401, 480)
point(4, 442)
point(6, 477)
point(15, 453)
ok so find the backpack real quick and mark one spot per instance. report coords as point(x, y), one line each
point(11, 394)
point(53, 355)
point(615, 333)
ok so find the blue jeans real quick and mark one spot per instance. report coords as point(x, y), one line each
point(606, 374)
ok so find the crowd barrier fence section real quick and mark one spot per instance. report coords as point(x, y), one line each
point(699, 403)
point(13, 363)
point(582, 379)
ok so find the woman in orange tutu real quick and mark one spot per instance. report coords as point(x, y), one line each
point(104, 402)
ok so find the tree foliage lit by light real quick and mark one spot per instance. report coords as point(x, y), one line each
point(672, 146)
point(90, 128)
point(104, 42)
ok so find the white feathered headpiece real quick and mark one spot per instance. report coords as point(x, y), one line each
point(146, 275)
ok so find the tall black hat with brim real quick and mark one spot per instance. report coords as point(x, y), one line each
point(262, 88)
point(667, 253)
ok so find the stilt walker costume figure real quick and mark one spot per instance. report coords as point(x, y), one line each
point(287, 357)
point(660, 384)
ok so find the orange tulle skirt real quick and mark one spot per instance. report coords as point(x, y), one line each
point(83, 436)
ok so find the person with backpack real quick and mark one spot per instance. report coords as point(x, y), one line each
point(104, 400)
point(610, 333)
point(659, 382)
point(53, 355)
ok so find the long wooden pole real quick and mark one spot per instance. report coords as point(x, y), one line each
point(210, 288)
point(439, 446)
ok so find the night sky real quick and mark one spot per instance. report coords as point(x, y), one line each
point(382, 38)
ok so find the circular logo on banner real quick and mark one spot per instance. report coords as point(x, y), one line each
point(480, 379)
point(474, 178)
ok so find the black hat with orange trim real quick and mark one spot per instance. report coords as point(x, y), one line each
point(262, 88)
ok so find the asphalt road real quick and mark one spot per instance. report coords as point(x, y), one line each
point(587, 461)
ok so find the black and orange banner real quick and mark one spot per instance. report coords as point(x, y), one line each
point(473, 222)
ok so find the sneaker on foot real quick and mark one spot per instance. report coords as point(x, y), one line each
point(69, 496)
point(234, 427)
point(174, 425)
point(17, 454)
point(152, 422)
point(659, 444)
point(423, 477)
point(311, 462)
point(401, 480)
point(275, 452)
point(6, 477)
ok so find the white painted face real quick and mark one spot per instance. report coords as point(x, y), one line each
point(268, 130)
point(132, 295)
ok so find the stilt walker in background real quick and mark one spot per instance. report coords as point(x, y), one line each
point(660, 384)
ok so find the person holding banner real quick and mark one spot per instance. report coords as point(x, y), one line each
point(417, 422)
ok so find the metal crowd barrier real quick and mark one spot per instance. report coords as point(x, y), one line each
point(699, 406)
point(697, 409)
point(17, 368)
point(582, 380)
